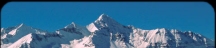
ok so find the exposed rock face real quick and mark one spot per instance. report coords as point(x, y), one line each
point(103, 33)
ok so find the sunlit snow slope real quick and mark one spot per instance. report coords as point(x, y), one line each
point(102, 33)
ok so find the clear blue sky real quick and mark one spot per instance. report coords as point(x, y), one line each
point(195, 16)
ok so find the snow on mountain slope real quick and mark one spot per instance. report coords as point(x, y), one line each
point(85, 42)
point(107, 26)
point(103, 33)
point(129, 36)
point(92, 27)
point(21, 31)
point(25, 39)
point(170, 38)
point(74, 28)
point(2, 29)
point(61, 38)
point(12, 34)
point(43, 39)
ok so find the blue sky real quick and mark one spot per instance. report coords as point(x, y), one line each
point(195, 16)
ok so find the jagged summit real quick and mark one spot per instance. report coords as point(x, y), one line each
point(103, 21)
point(104, 18)
point(72, 25)
point(104, 32)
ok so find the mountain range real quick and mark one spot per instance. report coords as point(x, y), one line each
point(104, 32)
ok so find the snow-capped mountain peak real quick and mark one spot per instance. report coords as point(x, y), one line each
point(102, 21)
point(103, 33)
point(19, 28)
point(72, 25)
point(102, 17)
point(105, 19)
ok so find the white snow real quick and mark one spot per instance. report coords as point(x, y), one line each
point(2, 29)
point(80, 43)
point(13, 32)
point(3, 36)
point(65, 46)
point(101, 17)
point(38, 32)
point(92, 27)
point(205, 41)
point(109, 33)
point(71, 25)
point(25, 39)
point(57, 32)
point(6, 45)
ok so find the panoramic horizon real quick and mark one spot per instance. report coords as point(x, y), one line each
point(197, 17)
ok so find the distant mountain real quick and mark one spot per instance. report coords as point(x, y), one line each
point(103, 33)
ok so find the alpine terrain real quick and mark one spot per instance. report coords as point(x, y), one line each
point(103, 33)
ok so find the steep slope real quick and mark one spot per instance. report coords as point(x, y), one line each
point(26, 39)
point(102, 33)
point(13, 34)
point(169, 38)
point(73, 32)
point(63, 38)
point(109, 33)
point(42, 39)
